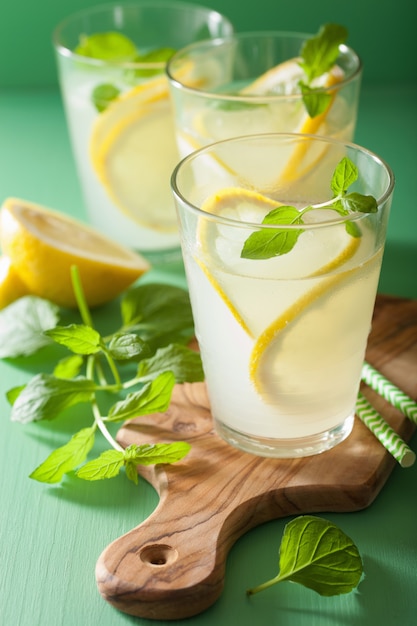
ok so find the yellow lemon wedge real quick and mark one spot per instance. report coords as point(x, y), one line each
point(42, 245)
point(133, 152)
point(11, 287)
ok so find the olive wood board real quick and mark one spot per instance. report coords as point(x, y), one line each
point(172, 566)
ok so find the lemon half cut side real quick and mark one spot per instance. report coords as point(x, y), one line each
point(11, 286)
point(42, 245)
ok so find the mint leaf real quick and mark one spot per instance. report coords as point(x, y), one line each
point(267, 243)
point(45, 397)
point(160, 313)
point(356, 202)
point(315, 100)
point(345, 174)
point(148, 454)
point(353, 229)
point(109, 46)
point(78, 338)
point(68, 367)
point(22, 326)
point(66, 458)
point(103, 95)
point(107, 465)
point(320, 53)
point(319, 555)
point(14, 393)
point(184, 363)
point(152, 454)
point(159, 55)
point(154, 397)
point(123, 347)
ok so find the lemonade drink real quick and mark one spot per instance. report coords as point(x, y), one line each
point(111, 63)
point(250, 84)
point(282, 338)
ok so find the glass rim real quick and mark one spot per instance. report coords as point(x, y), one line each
point(109, 7)
point(227, 221)
point(219, 41)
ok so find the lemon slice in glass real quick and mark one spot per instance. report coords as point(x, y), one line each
point(283, 79)
point(330, 313)
point(133, 152)
point(42, 245)
point(241, 282)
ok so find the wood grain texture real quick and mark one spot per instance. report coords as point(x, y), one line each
point(172, 566)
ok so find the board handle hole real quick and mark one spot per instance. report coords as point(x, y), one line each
point(158, 555)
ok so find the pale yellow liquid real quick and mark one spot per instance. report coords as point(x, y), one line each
point(308, 377)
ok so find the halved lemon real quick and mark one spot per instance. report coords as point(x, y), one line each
point(42, 245)
point(133, 152)
point(11, 287)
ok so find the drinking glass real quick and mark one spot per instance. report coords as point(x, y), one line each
point(282, 309)
point(248, 83)
point(119, 115)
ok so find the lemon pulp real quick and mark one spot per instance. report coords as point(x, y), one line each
point(42, 245)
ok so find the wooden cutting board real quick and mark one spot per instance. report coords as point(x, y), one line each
point(172, 565)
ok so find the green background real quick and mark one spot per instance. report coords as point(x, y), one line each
point(52, 536)
point(382, 32)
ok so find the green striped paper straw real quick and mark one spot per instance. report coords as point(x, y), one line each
point(389, 391)
point(384, 433)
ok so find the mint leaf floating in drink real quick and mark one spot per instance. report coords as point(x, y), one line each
point(110, 46)
point(318, 55)
point(268, 243)
point(103, 95)
point(319, 555)
point(265, 244)
point(153, 57)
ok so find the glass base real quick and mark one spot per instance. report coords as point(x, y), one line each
point(286, 448)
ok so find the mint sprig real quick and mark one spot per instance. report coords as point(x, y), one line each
point(118, 48)
point(318, 56)
point(270, 242)
point(121, 375)
point(317, 554)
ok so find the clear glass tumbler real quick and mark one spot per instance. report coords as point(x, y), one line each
point(282, 304)
point(111, 61)
point(249, 83)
